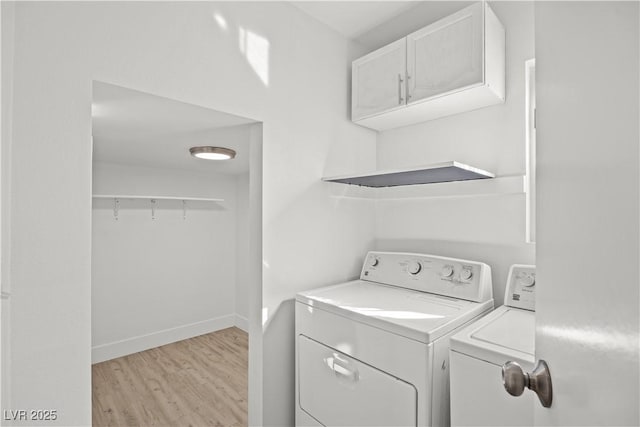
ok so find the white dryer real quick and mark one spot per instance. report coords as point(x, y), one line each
point(478, 397)
point(375, 351)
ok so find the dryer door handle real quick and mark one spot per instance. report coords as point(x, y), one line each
point(341, 367)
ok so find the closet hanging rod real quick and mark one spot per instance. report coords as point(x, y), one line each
point(125, 196)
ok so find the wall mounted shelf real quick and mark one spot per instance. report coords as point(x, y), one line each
point(499, 186)
point(152, 199)
point(502, 185)
point(429, 174)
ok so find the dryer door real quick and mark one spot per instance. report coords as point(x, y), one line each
point(338, 390)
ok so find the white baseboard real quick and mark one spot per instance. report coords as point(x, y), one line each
point(242, 323)
point(111, 350)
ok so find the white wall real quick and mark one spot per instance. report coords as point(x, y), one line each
point(180, 51)
point(254, 261)
point(485, 228)
point(243, 265)
point(158, 281)
point(588, 134)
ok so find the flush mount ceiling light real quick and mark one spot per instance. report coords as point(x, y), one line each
point(212, 153)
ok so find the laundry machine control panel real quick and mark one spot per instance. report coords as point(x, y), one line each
point(521, 287)
point(457, 278)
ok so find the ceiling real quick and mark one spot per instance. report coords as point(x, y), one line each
point(353, 18)
point(140, 129)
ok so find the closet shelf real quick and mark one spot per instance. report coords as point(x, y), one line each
point(428, 174)
point(128, 196)
point(153, 199)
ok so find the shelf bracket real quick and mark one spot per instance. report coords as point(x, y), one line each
point(153, 208)
point(184, 210)
point(116, 208)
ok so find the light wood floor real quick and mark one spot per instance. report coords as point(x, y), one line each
point(201, 381)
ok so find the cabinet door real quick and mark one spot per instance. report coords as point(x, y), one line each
point(447, 55)
point(378, 81)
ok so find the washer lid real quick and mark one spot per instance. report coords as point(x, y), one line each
point(417, 315)
point(505, 334)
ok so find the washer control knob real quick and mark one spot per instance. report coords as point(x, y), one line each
point(414, 267)
point(466, 274)
point(447, 271)
point(528, 279)
point(373, 261)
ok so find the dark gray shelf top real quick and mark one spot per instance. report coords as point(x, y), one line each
point(429, 174)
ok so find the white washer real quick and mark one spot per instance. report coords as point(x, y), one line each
point(375, 351)
point(478, 352)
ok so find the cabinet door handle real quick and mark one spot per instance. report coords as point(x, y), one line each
point(408, 88)
point(400, 98)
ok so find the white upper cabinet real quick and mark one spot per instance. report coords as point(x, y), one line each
point(451, 66)
point(379, 81)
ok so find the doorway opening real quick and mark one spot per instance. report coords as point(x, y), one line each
point(176, 261)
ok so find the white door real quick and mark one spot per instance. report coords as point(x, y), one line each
point(587, 307)
point(447, 55)
point(378, 81)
